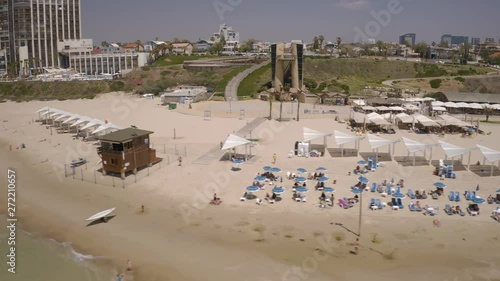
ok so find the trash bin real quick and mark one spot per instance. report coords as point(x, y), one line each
point(172, 106)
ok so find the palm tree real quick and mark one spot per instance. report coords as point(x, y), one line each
point(487, 111)
point(380, 46)
point(315, 43)
point(321, 38)
point(339, 41)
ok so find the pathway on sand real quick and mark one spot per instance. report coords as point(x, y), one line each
point(232, 87)
point(216, 153)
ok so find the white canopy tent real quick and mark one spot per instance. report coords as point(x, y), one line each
point(404, 118)
point(413, 147)
point(396, 108)
point(382, 108)
point(453, 151)
point(359, 102)
point(310, 134)
point(343, 138)
point(409, 106)
point(463, 105)
point(376, 142)
point(106, 128)
point(438, 108)
point(234, 141)
point(368, 108)
point(491, 155)
point(437, 103)
point(475, 106)
point(423, 120)
point(447, 120)
point(73, 119)
point(93, 123)
point(377, 119)
point(450, 105)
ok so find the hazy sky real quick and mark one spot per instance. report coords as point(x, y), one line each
point(284, 20)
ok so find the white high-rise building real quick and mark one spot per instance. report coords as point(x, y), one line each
point(31, 31)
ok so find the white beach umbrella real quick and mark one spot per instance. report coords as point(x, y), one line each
point(450, 105)
point(437, 103)
point(463, 105)
point(486, 105)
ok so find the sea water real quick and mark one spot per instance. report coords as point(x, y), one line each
point(42, 259)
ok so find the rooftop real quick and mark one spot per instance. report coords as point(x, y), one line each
point(473, 97)
point(125, 135)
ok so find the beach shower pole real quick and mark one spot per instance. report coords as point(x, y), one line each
point(430, 157)
point(360, 211)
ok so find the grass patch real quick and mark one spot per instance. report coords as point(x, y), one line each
point(221, 86)
point(175, 60)
point(460, 79)
point(435, 83)
point(376, 240)
point(318, 234)
point(259, 228)
point(61, 90)
point(339, 236)
point(256, 81)
point(390, 256)
point(490, 122)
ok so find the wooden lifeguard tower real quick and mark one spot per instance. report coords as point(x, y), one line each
point(126, 151)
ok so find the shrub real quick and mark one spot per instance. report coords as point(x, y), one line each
point(460, 79)
point(116, 86)
point(146, 68)
point(164, 73)
point(435, 83)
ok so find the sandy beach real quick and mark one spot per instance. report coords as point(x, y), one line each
point(181, 237)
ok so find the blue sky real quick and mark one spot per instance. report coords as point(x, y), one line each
point(284, 20)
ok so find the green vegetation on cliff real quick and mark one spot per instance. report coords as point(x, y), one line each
point(31, 90)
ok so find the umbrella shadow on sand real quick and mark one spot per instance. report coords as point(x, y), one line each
point(99, 221)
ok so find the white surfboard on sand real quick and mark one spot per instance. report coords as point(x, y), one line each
point(101, 215)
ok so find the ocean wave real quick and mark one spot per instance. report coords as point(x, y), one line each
point(77, 256)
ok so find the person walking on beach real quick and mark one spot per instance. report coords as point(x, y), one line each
point(274, 158)
point(142, 208)
point(477, 187)
point(129, 265)
point(356, 246)
point(180, 160)
point(119, 277)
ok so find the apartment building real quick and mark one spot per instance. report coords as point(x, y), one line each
point(30, 30)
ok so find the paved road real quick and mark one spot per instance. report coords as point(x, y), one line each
point(390, 83)
point(232, 86)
